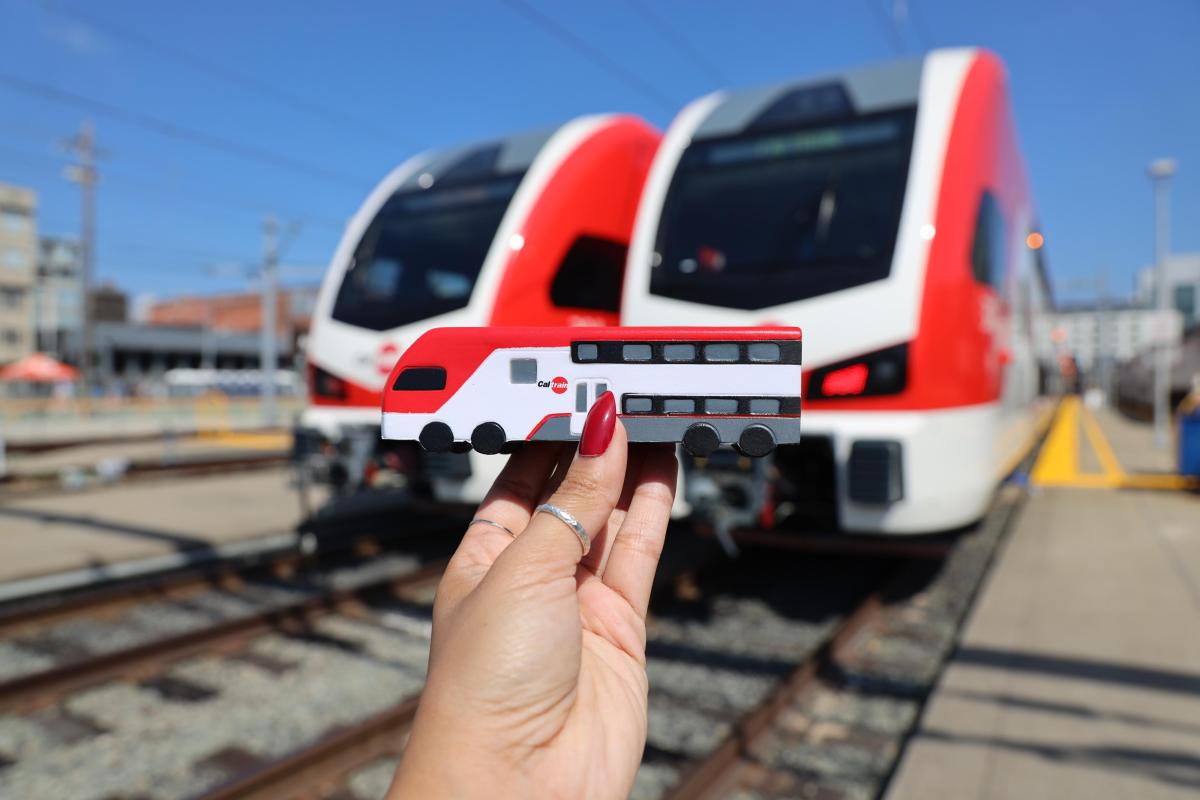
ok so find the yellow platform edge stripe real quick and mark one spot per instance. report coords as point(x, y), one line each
point(1058, 463)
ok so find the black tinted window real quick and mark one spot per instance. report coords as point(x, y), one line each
point(590, 275)
point(421, 379)
point(422, 253)
point(989, 246)
point(758, 220)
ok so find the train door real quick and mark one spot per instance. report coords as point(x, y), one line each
point(586, 392)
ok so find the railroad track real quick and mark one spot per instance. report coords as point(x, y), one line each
point(835, 726)
point(139, 472)
point(739, 655)
point(40, 689)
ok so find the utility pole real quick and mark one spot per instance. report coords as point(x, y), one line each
point(83, 146)
point(268, 347)
point(1160, 172)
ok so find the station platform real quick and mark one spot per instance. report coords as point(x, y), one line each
point(98, 533)
point(1077, 674)
point(188, 449)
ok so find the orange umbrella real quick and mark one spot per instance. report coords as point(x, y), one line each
point(39, 368)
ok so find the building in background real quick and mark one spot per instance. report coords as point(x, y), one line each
point(1100, 338)
point(1183, 287)
point(109, 304)
point(239, 313)
point(58, 296)
point(18, 266)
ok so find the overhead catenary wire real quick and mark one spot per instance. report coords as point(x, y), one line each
point(586, 50)
point(186, 194)
point(237, 78)
point(680, 42)
point(175, 131)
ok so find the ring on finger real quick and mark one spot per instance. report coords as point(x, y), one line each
point(568, 519)
point(493, 523)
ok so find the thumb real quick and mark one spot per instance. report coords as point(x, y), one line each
point(588, 492)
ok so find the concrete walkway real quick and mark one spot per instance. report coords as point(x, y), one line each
point(1078, 673)
point(91, 529)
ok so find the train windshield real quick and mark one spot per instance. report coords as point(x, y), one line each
point(422, 253)
point(762, 219)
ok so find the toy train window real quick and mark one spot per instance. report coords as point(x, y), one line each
point(721, 352)
point(659, 405)
point(522, 370)
point(581, 397)
point(421, 379)
point(679, 405)
point(636, 352)
point(679, 352)
point(616, 352)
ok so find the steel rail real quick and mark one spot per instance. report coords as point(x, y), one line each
point(39, 689)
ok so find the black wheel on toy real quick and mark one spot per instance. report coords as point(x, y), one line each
point(488, 438)
point(436, 437)
point(701, 439)
point(756, 441)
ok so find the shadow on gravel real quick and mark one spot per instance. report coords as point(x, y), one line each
point(807, 587)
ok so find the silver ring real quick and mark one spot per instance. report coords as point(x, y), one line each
point(569, 520)
point(493, 523)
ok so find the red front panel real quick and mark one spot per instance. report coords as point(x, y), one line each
point(958, 354)
point(594, 192)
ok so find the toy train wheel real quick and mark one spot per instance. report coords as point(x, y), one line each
point(701, 439)
point(436, 437)
point(488, 438)
point(756, 441)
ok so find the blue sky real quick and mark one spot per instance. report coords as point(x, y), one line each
point(1100, 88)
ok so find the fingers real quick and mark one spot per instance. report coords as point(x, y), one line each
point(602, 541)
point(629, 569)
point(589, 491)
point(510, 501)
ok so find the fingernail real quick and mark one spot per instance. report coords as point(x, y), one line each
point(599, 426)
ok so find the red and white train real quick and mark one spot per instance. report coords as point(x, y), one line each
point(530, 229)
point(488, 388)
point(888, 211)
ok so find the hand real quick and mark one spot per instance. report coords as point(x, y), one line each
point(537, 670)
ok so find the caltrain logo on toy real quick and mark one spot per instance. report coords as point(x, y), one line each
point(558, 385)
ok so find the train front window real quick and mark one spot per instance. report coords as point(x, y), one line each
point(422, 253)
point(762, 219)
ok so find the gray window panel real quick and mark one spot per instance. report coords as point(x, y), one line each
point(601, 388)
point(581, 396)
point(721, 405)
point(764, 351)
point(720, 352)
point(679, 352)
point(680, 406)
point(764, 406)
point(587, 352)
point(636, 352)
point(523, 370)
point(638, 405)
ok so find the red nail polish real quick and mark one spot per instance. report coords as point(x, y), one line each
point(599, 426)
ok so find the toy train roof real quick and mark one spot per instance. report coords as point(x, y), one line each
point(461, 350)
point(497, 337)
point(863, 90)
